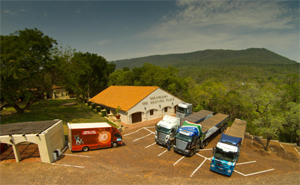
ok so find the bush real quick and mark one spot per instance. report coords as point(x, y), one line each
point(98, 109)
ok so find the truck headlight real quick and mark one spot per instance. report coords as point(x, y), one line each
point(212, 165)
point(229, 171)
point(229, 163)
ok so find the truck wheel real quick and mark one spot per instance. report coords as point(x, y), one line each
point(206, 142)
point(115, 145)
point(85, 149)
point(202, 145)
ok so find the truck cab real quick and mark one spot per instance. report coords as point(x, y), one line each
point(166, 129)
point(226, 154)
point(183, 110)
point(187, 139)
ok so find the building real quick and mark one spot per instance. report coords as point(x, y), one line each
point(138, 103)
point(58, 92)
point(47, 135)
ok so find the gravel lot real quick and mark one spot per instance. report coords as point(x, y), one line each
point(141, 161)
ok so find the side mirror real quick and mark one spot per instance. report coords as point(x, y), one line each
point(213, 151)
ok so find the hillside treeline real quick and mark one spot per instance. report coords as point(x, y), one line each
point(267, 99)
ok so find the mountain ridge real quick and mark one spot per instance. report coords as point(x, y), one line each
point(209, 57)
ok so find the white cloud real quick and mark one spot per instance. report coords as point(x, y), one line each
point(103, 42)
point(199, 25)
point(8, 11)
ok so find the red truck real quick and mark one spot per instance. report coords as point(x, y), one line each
point(87, 136)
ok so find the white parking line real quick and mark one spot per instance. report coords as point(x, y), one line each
point(198, 167)
point(246, 162)
point(296, 150)
point(142, 137)
point(148, 130)
point(133, 132)
point(150, 145)
point(259, 172)
point(239, 173)
point(201, 156)
point(67, 165)
point(284, 149)
point(205, 149)
point(178, 160)
point(162, 153)
point(77, 155)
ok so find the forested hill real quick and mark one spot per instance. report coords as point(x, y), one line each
point(209, 58)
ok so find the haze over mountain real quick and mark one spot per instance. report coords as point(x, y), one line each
point(210, 58)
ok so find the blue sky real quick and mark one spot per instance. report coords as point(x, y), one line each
point(129, 29)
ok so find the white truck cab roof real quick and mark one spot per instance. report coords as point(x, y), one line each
point(226, 147)
point(184, 105)
point(169, 122)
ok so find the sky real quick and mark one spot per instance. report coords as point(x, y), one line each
point(129, 29)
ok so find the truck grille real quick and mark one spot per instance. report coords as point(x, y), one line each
point(181, 145)
point(161, 136)
point(218, 163)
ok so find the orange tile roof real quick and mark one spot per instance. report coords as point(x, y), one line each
point(124, 96)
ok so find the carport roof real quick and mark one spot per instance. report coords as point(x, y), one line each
point(34, 127)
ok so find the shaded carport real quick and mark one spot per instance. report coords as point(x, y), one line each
point(48, 135)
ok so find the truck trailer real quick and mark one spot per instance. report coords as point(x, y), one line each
point(227, 151)
point(191, 136)
point(87, 136)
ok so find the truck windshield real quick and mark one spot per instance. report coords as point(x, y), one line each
point(221, 154)
point(162, 129)
point(181, 110)
point(184, 137)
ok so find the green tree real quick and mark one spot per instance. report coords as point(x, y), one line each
point(292, 120)
point(88, 74)
point(25, 62)
point(269, 118)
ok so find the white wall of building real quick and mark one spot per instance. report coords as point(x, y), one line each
point(157, 100)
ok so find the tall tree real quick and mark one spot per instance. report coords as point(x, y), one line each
point(25, 62)
point(269, 118)
point(88, 74)
point(292, 120)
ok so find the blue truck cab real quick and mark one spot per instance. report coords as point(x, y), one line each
point(187, 138)
point(226, 154)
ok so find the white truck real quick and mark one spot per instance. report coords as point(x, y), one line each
point(166, 129)
point(183, 110)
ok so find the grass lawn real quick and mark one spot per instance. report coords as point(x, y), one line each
point(50, 110)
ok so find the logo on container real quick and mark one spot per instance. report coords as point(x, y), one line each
point(89, 132)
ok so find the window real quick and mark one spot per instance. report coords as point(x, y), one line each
point(166, 109)
point(117, 135)
point(151, 112)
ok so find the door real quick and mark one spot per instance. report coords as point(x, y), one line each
point(136, 117)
